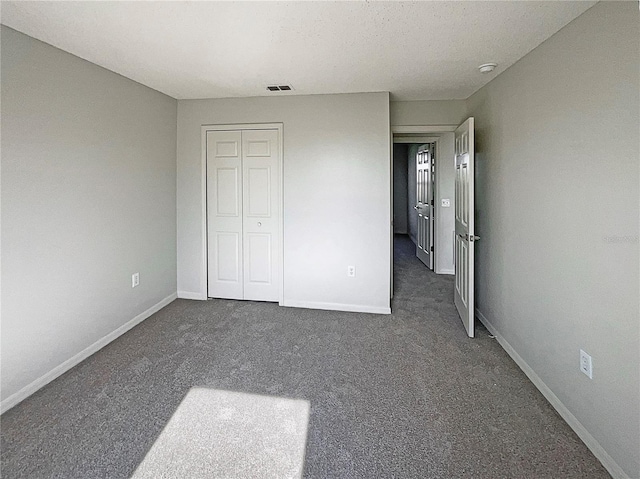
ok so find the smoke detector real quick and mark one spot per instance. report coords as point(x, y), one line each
point(487, 67)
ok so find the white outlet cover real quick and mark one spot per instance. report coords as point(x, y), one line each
point(586, 364)
point(446, 202)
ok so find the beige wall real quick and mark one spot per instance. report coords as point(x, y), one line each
point(337, 205)
point(557, 203)
point(88, 198)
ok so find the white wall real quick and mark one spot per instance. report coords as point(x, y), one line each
point(88, 198)
point(445, 217)
point(337, 194)
point(558, 209)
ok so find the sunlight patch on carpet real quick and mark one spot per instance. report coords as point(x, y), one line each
point(215, 433)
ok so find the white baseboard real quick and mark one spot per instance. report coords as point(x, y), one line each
point(607, 461)
point(191, 295)
point(446, 271)
point(28, 390)
point(353, 308)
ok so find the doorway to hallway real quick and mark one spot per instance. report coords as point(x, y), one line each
point(414, 193)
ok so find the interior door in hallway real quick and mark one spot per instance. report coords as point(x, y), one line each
point(243, 214)
point(425, 174)
point(465, 225)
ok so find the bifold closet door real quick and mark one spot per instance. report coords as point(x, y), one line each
point(260, 185)
point(224, 214)
point(243, 214)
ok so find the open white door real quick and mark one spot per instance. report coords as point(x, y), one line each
point(424, 203)
point(465, 225)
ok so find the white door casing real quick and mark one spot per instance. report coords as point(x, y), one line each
point(425, 174)
point(244, 214)
point(465, 225)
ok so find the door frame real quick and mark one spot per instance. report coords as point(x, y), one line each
point(203, 184)
point(424, 140)
point(399, 131)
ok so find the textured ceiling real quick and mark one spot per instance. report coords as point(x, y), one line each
point(416, 50)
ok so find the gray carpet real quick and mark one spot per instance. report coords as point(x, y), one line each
point(406, 395)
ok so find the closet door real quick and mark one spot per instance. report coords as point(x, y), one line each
point(261, 214)
point(224, 214)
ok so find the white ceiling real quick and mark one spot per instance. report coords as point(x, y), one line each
point(416, 50)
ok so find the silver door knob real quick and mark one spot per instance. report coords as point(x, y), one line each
point(259, 224)
point(469, 238)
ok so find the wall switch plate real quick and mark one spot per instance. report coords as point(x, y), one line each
point(586, 365)
point(351, 271)
point(446, 202)
point(135, 279)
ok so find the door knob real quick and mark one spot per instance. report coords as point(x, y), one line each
point(259, 224)
point(468, 237)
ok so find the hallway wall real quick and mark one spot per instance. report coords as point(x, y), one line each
point(400, 184)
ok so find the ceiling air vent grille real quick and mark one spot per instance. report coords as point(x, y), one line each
point(279, 88)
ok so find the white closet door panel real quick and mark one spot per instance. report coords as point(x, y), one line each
point(261, 237)
point(259, 258)
point(224, 214)
point(228, 257)
point(227, 194)
point(258, 187)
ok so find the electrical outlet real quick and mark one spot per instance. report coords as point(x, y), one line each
point(135, 279)
point(446, 202)
point(351, 271)
point(586, 365)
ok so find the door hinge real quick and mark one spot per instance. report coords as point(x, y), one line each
point(432, 249)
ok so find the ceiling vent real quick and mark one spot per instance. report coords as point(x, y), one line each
point(279, 88)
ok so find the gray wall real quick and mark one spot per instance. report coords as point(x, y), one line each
point(337, 194)
point(88, 198)
point(400, 185)
point(428, 112)
point(558, 208)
